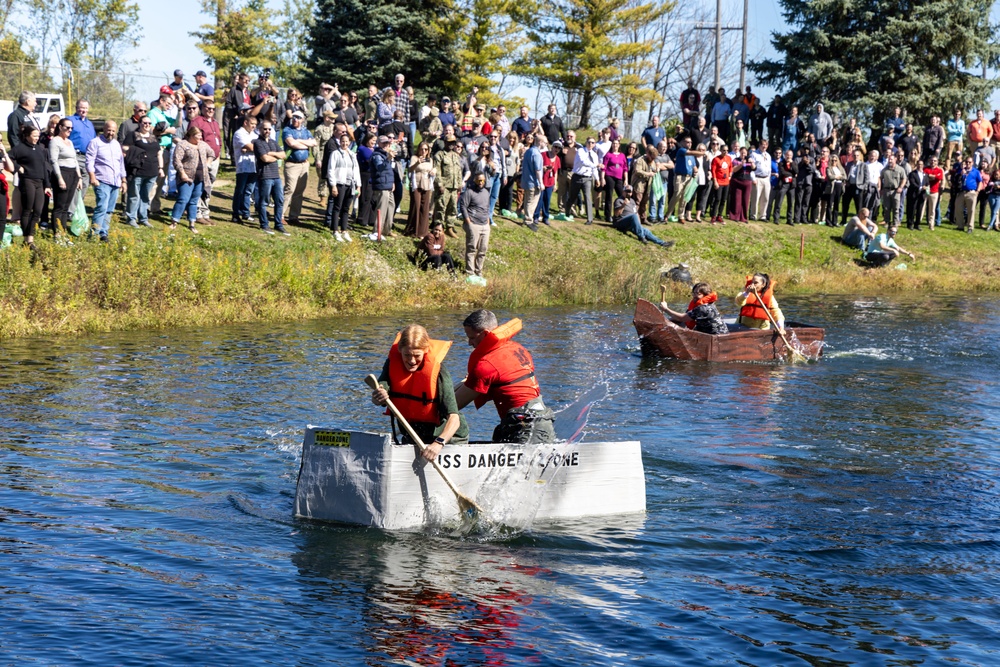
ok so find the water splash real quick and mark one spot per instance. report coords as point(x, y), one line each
point(810, 352)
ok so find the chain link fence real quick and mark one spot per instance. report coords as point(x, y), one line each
point(628, 129)
point(110, 94)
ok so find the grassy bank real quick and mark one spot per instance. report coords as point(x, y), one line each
point(155, 278)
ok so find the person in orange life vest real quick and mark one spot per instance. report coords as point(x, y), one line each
point(752, 313)
point(421, 389)
point(702, 314)
point(502, 371)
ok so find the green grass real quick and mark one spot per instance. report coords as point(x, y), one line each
point(155, 278)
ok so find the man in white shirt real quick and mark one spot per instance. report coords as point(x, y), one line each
point(586, 172)
point(761, 192)
point(874, 167)
point(246, 168)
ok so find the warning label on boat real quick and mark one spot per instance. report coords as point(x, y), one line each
point(333, 438)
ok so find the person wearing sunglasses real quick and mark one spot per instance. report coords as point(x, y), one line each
point(131, 124)
point(66, 169)
point(143, 165)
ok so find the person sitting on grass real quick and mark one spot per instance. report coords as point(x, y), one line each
point(883, 249)
point(860, 230)
point(702, 314)
point(627, 220)
point(433, 245)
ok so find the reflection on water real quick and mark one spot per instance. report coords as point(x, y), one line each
point(832, 513)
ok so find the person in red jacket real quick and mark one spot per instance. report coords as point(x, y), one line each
point(722, 173)
point(502, 371)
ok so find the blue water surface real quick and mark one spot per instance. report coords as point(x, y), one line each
point(834, 513)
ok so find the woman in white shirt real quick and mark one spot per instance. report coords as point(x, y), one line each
point(344, 177)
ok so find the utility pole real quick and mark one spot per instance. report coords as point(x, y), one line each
point(718, 28)
point(743, 53)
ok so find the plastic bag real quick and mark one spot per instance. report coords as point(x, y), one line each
point(79, 223)
point(6, 240)
point(690, 189)
point(656, 187)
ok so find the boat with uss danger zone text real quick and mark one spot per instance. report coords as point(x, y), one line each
point(368, 479)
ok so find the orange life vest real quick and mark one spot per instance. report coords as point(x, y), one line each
point(517, 370)
point(753, 308)
point(414, 393)
point(701, 301)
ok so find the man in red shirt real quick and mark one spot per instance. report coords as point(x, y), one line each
point(502, 371)
point(935, 176)
point(211, 134)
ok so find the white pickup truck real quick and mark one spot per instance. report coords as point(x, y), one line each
point(46, 104)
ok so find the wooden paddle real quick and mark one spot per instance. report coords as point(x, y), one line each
point(776, 327)
point(465, 504)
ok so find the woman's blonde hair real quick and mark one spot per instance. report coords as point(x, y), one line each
point(414, 337)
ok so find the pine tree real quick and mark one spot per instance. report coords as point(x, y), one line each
point(240, 37)
point(490, 44)
point(868, 56)
point(582, 47)
point(354, 43)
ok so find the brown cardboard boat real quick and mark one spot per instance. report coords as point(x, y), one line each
point(658, 335)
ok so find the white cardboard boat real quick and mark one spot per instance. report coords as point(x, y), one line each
point(365, 478)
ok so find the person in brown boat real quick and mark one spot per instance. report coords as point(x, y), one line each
point(752, 309)
point(702, 314)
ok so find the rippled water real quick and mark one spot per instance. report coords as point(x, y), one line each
point(836, 513)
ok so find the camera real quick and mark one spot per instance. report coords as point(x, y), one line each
point(266, 74)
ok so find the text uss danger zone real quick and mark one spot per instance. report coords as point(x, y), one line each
point(505, 460)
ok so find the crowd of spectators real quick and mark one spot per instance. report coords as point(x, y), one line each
point(727, 159)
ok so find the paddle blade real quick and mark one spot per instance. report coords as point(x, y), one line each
point(571, 420)
point(468, 506)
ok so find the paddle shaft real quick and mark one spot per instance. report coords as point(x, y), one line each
point(775, 324)
point(372, 382)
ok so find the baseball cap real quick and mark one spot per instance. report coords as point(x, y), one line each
point(446, 99)
point(178, 72)
point(557, 144)
point(166, 90)
point(200, 72)
point(298, 114)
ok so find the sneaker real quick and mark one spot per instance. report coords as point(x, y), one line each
point(283, 231)
point(267, 231)
point(347, 237)
point(133, 224)
point(145, 223)
point(533, 227)
point(374, 237)
point(493, 224)
point(104, 239)
point(668, 244)
point(338, 237)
